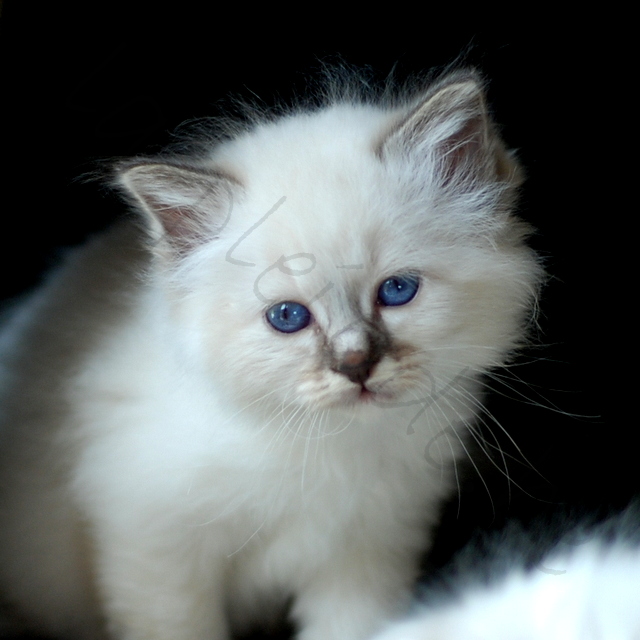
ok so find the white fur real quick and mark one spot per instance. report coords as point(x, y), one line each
point(590, 594)
point(173, 465)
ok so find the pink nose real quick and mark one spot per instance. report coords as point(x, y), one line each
point(356, 365)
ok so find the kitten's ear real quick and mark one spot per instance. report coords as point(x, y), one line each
point(185, 207)
point(452, 127)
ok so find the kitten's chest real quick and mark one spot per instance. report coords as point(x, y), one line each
point(285, 478)
point(278, 491)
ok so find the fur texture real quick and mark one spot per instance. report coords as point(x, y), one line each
point(584, 588)
point(172, 464)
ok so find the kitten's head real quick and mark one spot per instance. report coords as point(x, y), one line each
point(353, 255)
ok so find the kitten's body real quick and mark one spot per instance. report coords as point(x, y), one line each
point(170, 462)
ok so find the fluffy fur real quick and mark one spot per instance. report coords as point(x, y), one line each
point(171, 465)
point(584, 588)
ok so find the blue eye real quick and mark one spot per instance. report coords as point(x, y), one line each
point(288, 317)
point(398, 290)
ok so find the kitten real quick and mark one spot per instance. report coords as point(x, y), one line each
point(583, 587)
point(254, 392)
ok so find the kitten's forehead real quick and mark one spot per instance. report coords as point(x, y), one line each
point(328, 248)
point(313, 276)
point(334, 224)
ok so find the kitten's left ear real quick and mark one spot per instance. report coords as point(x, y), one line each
point(451, 128)
point(184, 206)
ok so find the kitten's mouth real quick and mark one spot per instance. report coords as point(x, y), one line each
point(366, 395)
point(381, 397)
point(363, 395)
point(358, 396)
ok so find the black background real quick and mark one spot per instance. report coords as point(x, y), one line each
point(82, 85)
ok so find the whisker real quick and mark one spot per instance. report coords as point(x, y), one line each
point(466, 451)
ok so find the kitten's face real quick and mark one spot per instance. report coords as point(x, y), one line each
point(345, 301)
point(351, 257)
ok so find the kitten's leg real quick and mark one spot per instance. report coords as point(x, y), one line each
point(353, 596)
point(161, 592)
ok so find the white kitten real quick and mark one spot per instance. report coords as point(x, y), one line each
point(258, 392)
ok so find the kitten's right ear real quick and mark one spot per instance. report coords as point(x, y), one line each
point(451, 127)
point(184, 206)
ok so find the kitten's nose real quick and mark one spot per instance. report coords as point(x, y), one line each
point(356, 365)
